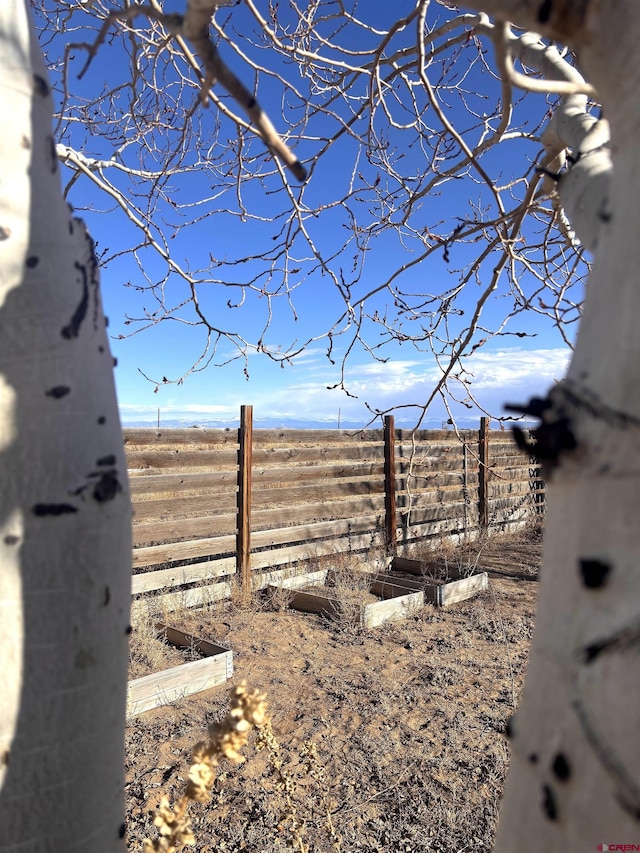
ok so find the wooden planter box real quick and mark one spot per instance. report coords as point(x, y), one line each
point(162, 688)
point(398, 601)
point(439, 593)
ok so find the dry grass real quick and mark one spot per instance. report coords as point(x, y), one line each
point(148, 649)
point(462, 555)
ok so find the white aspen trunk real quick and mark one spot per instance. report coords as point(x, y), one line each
point(574, 781)
point(65, 542)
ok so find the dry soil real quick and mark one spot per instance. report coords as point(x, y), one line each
point(408, 721)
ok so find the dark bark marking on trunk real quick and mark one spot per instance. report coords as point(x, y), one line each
point(107, 596)
point(561, 768)
point(106, 460)
point(91, 271)
point(11, 539)
point(107, 487)
point(52, 154)
point(555, 436)
point(53, 509)
point(5, 232)
point(593, 651)
point(625, 638)
point(128, 630)
point(72, 330)
point(594, 573)
point(122, 831)
point(58, 391)
point(628, 795)
point(102, 420)
point(551, 441)
point(549, 805)
point(40, 86)
point(32, 262)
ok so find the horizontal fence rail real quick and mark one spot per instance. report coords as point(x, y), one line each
point(216, 506)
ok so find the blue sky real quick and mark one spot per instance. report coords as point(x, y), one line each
point(506, 369)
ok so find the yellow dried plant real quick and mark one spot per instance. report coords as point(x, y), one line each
point(248, 711)
point(226, 739)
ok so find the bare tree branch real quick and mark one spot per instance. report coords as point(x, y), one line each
point(390, 100)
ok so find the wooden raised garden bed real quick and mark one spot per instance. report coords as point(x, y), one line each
point(397, 600)
point(440, 592)
point(162, 688)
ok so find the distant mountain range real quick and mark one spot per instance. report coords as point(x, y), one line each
point(284, 423)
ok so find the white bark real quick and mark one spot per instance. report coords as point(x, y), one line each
point(575, 775)
point(64, 507)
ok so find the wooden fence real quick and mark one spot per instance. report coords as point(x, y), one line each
point(214, 505)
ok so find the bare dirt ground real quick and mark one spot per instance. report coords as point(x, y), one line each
point(407, 719)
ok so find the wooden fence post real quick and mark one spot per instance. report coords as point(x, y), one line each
point(483, 474)
point(243, 546)
point(390, 480)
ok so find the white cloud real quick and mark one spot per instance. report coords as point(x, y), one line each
point(515, 366)
point(498, 376)
point(504, 375)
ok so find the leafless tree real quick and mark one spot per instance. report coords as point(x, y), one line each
point(420, 147)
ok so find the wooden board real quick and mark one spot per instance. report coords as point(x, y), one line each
point(307, 579)
point(438, 519)
point(442, 594)
point(300, 498)
point(448, 435)
point(309, 532)
point(397, 607)
point(197, 435)
point(448, 593)
point(188, 641)
point(368, 452)
point(198, 596)
point(321, 473)
point(407, 564)
point(174, 551)
point(179, 458)
point(420, 568)
point(144, 483)
point(162, 688)
point(181, 529)
point(182, 575)
point(309, 602)
point(398, 603)
point(142, 436)
point(388, 586)
point(184, 505)
point(308, 551)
